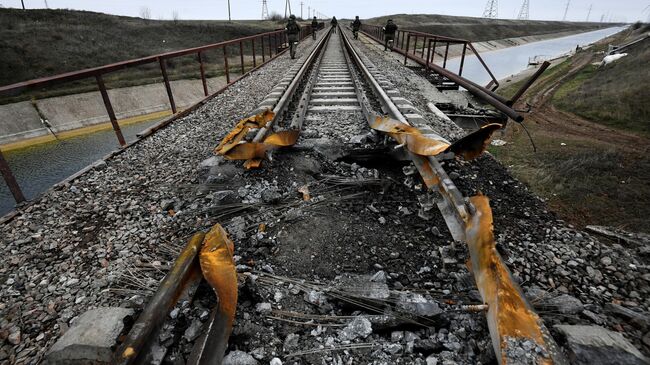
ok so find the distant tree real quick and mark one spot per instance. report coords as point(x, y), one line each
point(145, 13)
point(276, 17)
point(175, 16)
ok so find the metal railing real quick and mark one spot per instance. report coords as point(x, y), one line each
point(429, 43)
point(401, 45)
point(270, 44)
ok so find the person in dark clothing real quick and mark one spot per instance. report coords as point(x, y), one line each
point(293, 33)
point(334, 23)
point(389, 34)
point(356, 26)
point(314, 27)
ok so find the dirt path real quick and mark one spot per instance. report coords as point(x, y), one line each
point(561, 123)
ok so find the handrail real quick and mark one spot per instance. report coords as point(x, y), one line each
point(404, 36)
point(271, 42)
point(498, 101)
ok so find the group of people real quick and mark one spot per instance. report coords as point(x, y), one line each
point(293, 31)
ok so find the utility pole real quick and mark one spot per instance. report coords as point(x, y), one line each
point(491, 9)
point(46, 6)
point(23, 2)
point(265, 10)
point(308, 11)
point(566, 10)
point(589, 12)
point(229, 19)
point(523, 13)
point(301, 4)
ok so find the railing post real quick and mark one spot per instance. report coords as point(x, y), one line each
point(270, 48)
point(408, 40)
point(241, 57)
point(462, 60)
point(407, 34)
point(415, 45)
point(203, 80)
point(168, 87)
point(225, 64)
point(109, 109)
point(433, 51)
point(263, 52)
point(253, 47)
point(428, 55)
point(424, 41)
point(444, 63)
point(10, 180)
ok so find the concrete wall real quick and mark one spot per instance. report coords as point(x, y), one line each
point(21, 121)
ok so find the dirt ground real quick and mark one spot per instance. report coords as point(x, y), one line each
point(587, 172)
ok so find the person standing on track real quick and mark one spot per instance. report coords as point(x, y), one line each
point(334, 23)
point(293, 32)
point(389, 34)
point(356, 26)
point(314, 27)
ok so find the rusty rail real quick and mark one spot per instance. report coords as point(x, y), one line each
point(274, 45)
point(511, 319)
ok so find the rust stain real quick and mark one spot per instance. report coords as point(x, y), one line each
point(242, 128)
point(509, 314)
point(218, 267)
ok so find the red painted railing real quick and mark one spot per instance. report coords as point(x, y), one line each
point(271, 44)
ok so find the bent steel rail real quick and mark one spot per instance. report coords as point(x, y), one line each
point(511, 319)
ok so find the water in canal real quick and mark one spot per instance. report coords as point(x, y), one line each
point(39, 167)
point(509, 61)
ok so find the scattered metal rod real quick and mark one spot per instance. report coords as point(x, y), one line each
point(183, 275)
point(511, 319)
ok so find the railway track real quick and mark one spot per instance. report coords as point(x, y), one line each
point(308, 209)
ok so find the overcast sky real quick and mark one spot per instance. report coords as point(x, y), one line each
point(618, 10)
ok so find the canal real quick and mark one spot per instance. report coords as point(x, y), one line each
point(510, 61)
point(39, 167)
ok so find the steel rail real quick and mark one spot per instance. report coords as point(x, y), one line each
point(510, 317)
point(288, 94)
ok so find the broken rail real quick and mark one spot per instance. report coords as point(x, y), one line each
point(270, 45)
point(511, 319)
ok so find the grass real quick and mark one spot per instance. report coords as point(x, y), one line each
point(481, 29)
point(39, 43)
point(587, 179)
point(616, 95)
point(585, 183)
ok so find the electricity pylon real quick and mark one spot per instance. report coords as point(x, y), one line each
point(265, 10)
point(523, 13)
point(566, 10)
point(491, 9)
point(589, 12)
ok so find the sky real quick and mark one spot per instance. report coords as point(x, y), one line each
point(619, 10)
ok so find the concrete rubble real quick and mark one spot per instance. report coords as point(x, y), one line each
point(595, 345)
point(91, 338)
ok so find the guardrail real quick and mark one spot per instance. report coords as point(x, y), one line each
point(430, 42)
point(484, 92)
point(270, 45)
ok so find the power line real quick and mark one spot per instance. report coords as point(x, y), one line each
point(566, 10)
point(229, 18)
point(523, 13)
point(589, 12)
point(491, 9)
point(301, 4)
